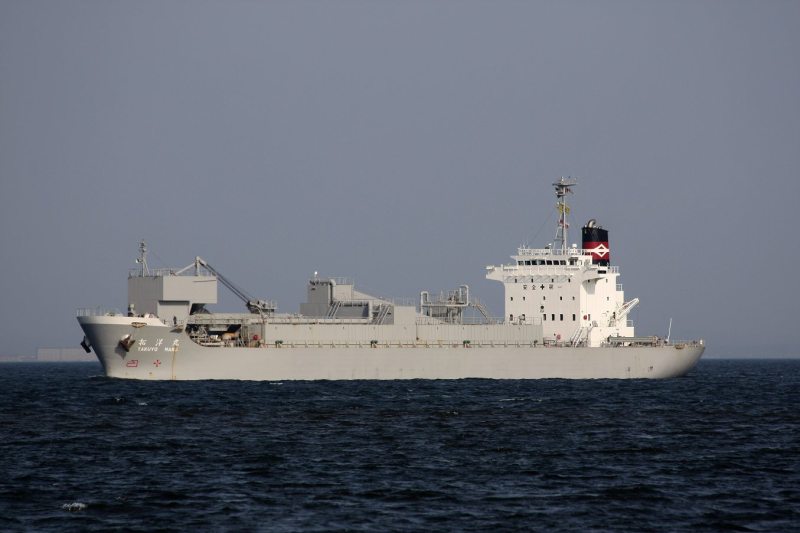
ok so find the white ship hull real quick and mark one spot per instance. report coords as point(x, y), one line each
point(565, 316)
point(149, 359)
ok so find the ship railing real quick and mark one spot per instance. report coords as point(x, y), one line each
point(693, 342)
point(160, 273)
point(551, 269)
point(544, 252)
point(469, 321)
point(218, 318)
point(302, 319)
point(652, 340)
point(379, 301)
point(542, 269)
point(97, 311)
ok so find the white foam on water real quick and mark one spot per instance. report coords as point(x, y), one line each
point(74, 507)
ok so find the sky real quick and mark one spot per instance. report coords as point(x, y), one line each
point(404, 144)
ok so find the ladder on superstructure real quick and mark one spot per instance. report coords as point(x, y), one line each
point(581, 335)
point(482, 310)
point(383, 312)
point(334, 309)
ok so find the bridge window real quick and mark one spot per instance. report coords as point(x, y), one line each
point(549, 262)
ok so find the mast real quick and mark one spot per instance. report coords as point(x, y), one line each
point(143, 259)
point(563, 186)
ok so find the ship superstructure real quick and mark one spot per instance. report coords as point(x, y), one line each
point(574, 293)
point(564, 316)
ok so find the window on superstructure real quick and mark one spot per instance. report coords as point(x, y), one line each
point(523, 298)
point(553, 316)
point(549, 262)
point(520, 262)
point(512, 298)
point(544, 317)
point(510, 318)
point(561, 317)
point(573, 317)
point(560, 297)
point(527, 263)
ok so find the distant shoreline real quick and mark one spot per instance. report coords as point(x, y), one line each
point(52, 355)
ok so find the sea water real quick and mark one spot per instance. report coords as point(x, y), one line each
point(718, 449)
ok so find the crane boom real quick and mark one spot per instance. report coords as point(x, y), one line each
point(254, 305)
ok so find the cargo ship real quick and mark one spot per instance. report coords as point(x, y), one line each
point(565, 316)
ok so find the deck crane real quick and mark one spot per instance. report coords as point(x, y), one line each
point(256, 306)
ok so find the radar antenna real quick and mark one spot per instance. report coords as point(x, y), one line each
point(563, 186)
